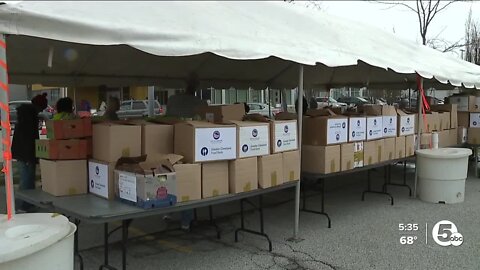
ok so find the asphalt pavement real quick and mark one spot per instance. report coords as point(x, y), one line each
point(364, 235)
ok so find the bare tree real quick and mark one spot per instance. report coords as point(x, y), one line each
point(472, 40)
point(426, 11)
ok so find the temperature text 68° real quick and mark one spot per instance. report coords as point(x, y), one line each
point(407, 240)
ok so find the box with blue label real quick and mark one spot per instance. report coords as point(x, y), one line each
point(324, 127)
point(253, 139)
point(283, 135)
point(199, 141)
point(389, 114)
point(357, 128)
point(146, 184)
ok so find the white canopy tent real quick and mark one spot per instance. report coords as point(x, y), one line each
point(229, 43)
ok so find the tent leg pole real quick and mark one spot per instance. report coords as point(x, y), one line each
point(6, 130)
point(299, 123)
point(151, 101)
point(419, 134)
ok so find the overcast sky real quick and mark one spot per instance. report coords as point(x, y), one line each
point(449, 24)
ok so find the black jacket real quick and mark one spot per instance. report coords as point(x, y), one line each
point(25, 134)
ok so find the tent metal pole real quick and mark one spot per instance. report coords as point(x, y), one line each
point(6, 130)
point(299, 123)
point(151, 101)
point(419, 134)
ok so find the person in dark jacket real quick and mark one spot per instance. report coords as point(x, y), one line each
point(304, 106)
point(23, 143)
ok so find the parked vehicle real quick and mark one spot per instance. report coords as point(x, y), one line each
point(262, 108)
point(137, 109)
point(329, 102)
point(43, 115)
point(353, 101)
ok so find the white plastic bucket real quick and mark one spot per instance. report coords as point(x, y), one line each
point(42, 241)
point(441, 174)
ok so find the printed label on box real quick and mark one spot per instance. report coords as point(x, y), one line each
point(389, 126)
point(127, 186)
point(374, 127)
point(253, 141)
point(215, 143)
point(336, 131)
point(98, 179)
point(358, 155)
point(475, 120)
point(407, 125)
point(285, 137)
point(358, 129)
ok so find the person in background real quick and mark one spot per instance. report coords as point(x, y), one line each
point(313, 103)
point(64, 109)
point(23, 144)
point(305, 105)
point(112, 109)
point(184, 105)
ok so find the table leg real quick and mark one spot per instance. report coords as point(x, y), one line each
point(404, 184)
point(369, 185)
point(242, 221)
point(75, 245)
point(212, 221)
point(322, 204)
point(106, 235)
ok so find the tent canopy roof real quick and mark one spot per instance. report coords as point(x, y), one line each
point(93, 43)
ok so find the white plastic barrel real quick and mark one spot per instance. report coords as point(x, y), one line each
point(42, 241)
point(441, 174)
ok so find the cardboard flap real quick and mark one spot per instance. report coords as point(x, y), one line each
point(130, 164)
point(165, 120)
point(286, 116)
point(401, 112)
point(248, 123)
point(320, 112)
point(255, 117)
point(172, 158)
point(389, 110)
point(371, 109)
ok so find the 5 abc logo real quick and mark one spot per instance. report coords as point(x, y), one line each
point(445, 234)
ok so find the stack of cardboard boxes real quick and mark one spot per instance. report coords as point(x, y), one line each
point(333, 143)
point(63, 156)
point(468, 118)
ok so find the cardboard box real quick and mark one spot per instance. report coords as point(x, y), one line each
point(101, 179)
point(410, 145)
point(399, 147)
point(425, 141)
point(69, 129)
point(214, 179)
point(189, 182)
point(325, 128)
point(406, 123)
point(452, 109)
point(291, 166)
point(270, 170)
point(242, 175)
point(321, 159)
point(223, 113)
point(443, 121)
point(389, 114)
point(443, 138)
point(473, 136)
point(61, 149)
point(462, 135)
point(358, 155)
point(433, 121)
point(347, 156)
point(200, 141)
point(388, 149)
point(474, 120)
point(253, 139)
point(157, 138)
point(464, 119)
point(112, 141)
point(64, 177)
point(146, 184)
point(370, 153)
point(374, 127)
point(357, 128)
point(453, 133)
point(464, 103)
point(283, 135)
